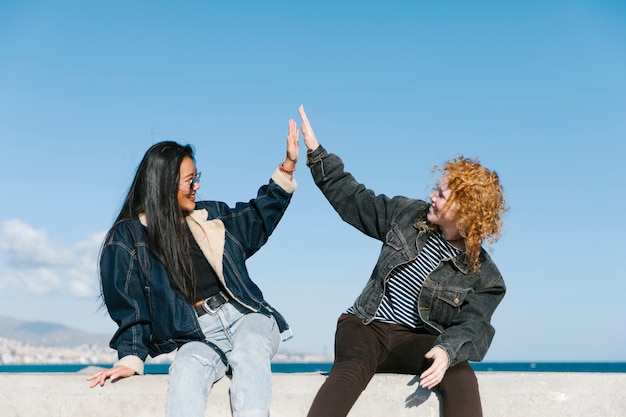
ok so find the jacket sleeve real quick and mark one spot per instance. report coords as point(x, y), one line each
point(252, 222)
point(470, 334)
point(355, 204)
point(125, 300)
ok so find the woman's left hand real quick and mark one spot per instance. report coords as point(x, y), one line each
point(434, 374)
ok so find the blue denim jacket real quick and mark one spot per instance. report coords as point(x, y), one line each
point(152, 317)
point(455, 306)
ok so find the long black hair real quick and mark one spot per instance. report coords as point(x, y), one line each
point(153, 193)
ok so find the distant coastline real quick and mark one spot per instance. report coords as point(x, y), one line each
point(16, 353)
point(49, 347)
point(31, 343)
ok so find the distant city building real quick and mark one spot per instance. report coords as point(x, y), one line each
point(13, 352)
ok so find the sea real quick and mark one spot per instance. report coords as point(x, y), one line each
point(324, 368)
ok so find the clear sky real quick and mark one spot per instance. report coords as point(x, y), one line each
point(536, 90)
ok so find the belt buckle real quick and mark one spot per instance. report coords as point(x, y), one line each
point(208, 308)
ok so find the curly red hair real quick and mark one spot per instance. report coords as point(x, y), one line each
point(480, 203)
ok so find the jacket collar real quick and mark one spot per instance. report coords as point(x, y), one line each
point(210, 235)
point(459, 261)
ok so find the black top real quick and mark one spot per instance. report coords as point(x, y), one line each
point(206, 282)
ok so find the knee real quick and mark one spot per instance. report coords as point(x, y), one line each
point(195, 357)
point(249, 353)
point(459, 376)
point(260, 334)
point(355, 374)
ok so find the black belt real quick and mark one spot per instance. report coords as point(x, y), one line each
point(211, 304)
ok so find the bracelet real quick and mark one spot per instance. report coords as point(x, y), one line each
point(281, 166)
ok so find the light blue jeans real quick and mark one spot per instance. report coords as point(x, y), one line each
point(249, 341)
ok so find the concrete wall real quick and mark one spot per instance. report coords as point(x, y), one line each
point(509, 394)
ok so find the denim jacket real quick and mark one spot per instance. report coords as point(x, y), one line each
point(153, 317)
point(455, 306)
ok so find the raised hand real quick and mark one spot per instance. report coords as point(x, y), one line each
point(307, 131)
point(293, 149)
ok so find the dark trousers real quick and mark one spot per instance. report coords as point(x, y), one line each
point(363, 350)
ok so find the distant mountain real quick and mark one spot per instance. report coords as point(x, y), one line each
point(40, 333)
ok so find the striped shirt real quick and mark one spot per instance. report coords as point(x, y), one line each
point(399, 304)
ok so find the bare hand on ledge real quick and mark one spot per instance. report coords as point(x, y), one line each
point(114, 373)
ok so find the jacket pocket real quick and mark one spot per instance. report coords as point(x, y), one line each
point(447, 303)
point(394, 239)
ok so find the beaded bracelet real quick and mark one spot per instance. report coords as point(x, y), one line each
point(281, 166)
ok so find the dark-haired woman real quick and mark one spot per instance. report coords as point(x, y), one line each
point(426, 309)
point(174, 277)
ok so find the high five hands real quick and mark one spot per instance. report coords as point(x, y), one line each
point(291, 158)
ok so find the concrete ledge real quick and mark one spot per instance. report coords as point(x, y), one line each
point(508, 394)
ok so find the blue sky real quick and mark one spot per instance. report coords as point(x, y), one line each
point(536, 90)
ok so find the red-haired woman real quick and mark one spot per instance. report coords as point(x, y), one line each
point(426, 309)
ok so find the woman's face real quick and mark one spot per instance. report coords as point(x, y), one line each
point(189, 184)
point(444, 218)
